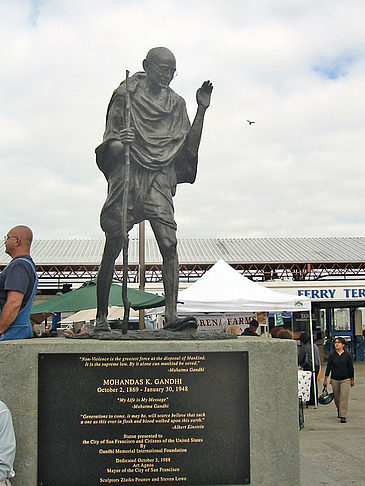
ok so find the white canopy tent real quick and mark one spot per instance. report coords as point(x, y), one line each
point(223, 289)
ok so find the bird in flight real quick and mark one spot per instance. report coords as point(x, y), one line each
point(250, 122)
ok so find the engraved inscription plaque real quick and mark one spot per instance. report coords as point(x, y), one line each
point(151, 418)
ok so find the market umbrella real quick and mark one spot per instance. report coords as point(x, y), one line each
point(85, 298)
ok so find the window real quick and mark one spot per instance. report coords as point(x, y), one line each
point(341, 320)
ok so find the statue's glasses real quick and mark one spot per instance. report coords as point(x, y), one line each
point(171, 72)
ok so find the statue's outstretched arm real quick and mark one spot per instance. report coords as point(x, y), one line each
point(203, 96)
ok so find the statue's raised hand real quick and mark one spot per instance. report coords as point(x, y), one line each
point(204, 93)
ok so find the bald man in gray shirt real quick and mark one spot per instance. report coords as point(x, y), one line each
point(7, 446)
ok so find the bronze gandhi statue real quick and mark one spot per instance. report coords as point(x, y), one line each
point(163, 149)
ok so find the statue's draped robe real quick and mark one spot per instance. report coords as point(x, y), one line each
point(160, 156)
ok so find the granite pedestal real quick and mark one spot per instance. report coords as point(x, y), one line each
point(272, 404)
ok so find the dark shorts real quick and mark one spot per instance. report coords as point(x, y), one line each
point(149, 198)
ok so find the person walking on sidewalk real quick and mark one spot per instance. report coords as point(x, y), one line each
point(341, 368)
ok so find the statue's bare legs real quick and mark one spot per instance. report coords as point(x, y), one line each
point(167, 243)
point(113, 246)
point(166, 239)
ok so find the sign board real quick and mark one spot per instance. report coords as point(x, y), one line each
point(325, 291)
point(212, 322)
point(333, 293)
point(152, 418)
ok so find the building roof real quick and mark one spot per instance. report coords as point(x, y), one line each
point(207, 251)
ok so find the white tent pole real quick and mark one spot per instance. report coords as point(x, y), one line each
point(313, 363)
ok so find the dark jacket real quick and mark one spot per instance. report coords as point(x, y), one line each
point(340, 366)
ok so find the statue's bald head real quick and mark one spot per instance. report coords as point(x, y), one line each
point(160, 68)
point(160, 54)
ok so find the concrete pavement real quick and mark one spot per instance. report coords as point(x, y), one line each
point(332, 453)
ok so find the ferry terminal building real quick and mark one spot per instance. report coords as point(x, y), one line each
point(328, 270)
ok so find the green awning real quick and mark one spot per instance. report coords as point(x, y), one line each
point(85, 298)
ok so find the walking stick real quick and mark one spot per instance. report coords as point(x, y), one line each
point(126, 303)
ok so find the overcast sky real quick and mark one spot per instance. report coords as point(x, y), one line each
point(295, 67)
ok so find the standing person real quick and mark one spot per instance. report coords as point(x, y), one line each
point(7, 446)
point(305, 362)
point(18, 285)
point(341, 368)
point(163, 153)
